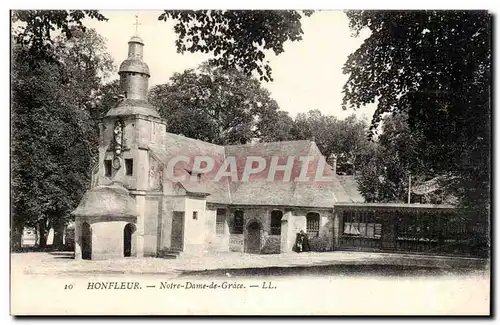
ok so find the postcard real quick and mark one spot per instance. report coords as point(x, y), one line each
point(250, 162)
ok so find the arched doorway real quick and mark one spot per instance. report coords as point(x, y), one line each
point(253, 238)
point(129, 240)
point(86, 241)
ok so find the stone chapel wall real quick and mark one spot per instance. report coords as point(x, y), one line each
point(269, 244)
point(170, 204)
point(194, 225)
point(152, 216)
point(216, 242)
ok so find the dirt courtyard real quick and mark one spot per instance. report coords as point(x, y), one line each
point(62, 263)
point(334, 283)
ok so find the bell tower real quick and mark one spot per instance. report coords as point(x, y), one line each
point(134, 72)
point(129, 128)
point(112, 219)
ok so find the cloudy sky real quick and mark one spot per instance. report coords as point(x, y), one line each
point(308, 75)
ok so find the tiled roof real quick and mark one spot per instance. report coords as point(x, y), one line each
point(176, 145)
point(258, 190)
point(350, 185)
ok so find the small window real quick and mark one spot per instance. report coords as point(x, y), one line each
point(220, 221)
point(195, 215)
point(107, 168)
point(129, 167)
point(276, 222)
point(312, 224)
point(238, 222)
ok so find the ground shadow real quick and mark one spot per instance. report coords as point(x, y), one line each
point(337, 269)
point(47, 249)
point(63, 255)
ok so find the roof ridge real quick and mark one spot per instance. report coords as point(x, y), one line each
point(193, 139)
point(264, 143)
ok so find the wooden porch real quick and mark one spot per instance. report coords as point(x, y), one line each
point(409, 228)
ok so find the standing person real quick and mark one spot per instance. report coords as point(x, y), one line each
point(298, 243)
point(305, 241)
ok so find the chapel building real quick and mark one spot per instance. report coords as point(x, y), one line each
point(158, 194)
point(134, 208)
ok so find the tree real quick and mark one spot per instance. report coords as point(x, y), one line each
point(385, 177)
point(373, 183)
point(436, 66)
point(35, 29)
point(106, 97)
point(218, 105)
point(275, 126)
point(317, 127)
point(351, 142)
point(237, 38)
point(53, 133)
point(86, 62)
point(49, 140)
point(345, 138)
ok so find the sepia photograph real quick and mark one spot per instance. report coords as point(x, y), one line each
point(250, 162)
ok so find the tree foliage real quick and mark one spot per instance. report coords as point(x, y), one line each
point(54, 137)
point(222, 106)
point(385, 177)
point(275, 126)
point(344, 138)
point(106, 97)
point(237, 38)
point(436, 66)
point(36, 28)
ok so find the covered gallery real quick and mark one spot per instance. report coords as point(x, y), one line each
point(425, 228)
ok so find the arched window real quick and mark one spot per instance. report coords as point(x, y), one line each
point(312, 224)
point(276, 216)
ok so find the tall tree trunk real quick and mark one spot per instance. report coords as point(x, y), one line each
point(42, 228)
point(58, 235)
point(16, 237)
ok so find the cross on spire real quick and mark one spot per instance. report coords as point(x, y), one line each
point(137, 25)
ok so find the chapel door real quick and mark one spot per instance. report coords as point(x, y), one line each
point(253, 238)
point(177, 237)
point(86, 243)
point(129, 240)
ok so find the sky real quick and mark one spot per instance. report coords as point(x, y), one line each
point(308, 75)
